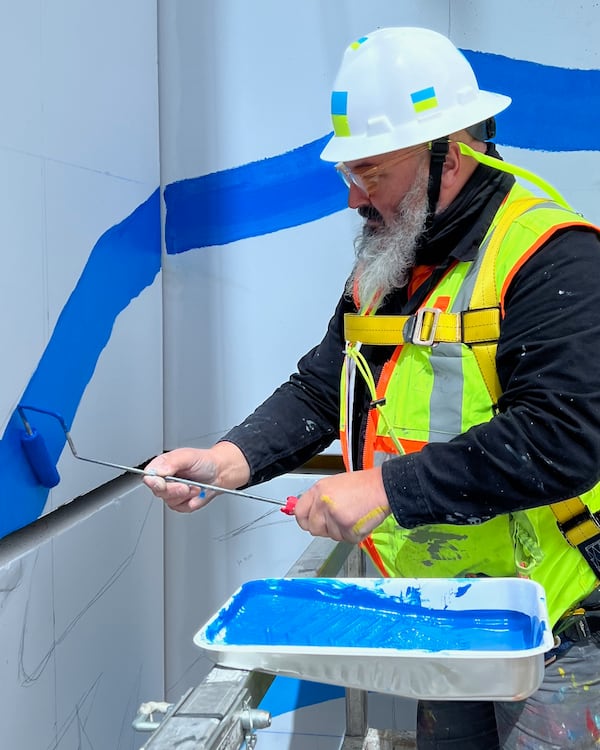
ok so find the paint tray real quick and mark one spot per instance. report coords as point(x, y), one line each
point(446, 639)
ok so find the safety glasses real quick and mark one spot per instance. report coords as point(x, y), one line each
point(366, 178)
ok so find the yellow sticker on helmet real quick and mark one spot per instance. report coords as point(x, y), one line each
point(358, 42)
point(424, 99)
point(339, 113)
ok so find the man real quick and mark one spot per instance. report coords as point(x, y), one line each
point(469, 404)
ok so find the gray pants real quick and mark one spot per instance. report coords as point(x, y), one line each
point(564, 713)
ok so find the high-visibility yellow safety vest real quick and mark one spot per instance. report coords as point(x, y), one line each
point(445, 359)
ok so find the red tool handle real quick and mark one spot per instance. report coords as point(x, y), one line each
point(290, 506)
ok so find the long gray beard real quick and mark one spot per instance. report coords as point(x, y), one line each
point(385, 255)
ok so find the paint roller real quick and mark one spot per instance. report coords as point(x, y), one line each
point(47, 475)
point(35, 449)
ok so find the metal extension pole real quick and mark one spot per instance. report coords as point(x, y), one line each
point(356, 700)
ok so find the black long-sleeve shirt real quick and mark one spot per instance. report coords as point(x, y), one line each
point(543, 445)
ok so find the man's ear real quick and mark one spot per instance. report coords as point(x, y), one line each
point(453, 166)
point(456, 172)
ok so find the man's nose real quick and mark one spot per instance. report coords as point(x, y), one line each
point(357, 197)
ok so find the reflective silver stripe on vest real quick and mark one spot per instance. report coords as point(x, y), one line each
point(445, 404)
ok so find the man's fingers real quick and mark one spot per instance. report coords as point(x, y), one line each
point(155, 483)
point(179, 497)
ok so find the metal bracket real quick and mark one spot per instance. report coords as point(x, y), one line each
point(144, 721)
point(251, 719)
point(215, 715)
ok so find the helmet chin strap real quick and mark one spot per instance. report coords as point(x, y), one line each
point(439, 149)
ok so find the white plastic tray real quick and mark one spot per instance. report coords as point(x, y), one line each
point(448, 639)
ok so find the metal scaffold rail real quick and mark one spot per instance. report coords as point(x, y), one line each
point(222, 713)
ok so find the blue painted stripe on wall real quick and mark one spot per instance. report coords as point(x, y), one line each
point(553, 109)
point(124, 261)
point(254, 199)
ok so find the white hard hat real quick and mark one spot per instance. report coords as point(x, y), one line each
point(398, 87)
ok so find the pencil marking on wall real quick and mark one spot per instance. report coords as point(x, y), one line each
point(30, 674)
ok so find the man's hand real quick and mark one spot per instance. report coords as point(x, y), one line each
point(344, 507)
point(223, 465)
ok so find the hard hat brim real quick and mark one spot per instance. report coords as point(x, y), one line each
point(353, 147)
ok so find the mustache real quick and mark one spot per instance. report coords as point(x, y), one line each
point(369, 212)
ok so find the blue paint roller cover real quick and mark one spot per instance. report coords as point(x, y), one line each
point(39, 459)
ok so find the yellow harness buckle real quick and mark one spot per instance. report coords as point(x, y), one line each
point(425, 324)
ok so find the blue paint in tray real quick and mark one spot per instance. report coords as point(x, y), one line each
point(331, 613)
